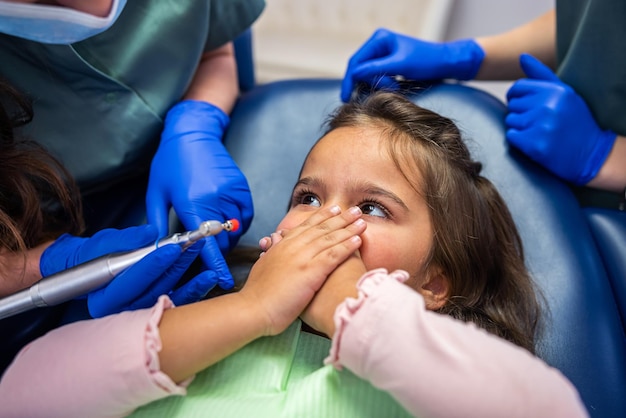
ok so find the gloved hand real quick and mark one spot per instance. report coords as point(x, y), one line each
point(140, 285)
point(154, 275)
point(387, 54)
point(551, 123)
point(193, 172)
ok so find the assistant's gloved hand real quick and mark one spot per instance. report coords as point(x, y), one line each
point(387, 54)
point(551, 123)
point(137, 287)
point(193, 172)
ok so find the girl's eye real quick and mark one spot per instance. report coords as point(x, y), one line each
point(374, 209)
point(310, 200)
point(305, 198)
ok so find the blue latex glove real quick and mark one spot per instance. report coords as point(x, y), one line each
point(137, 287)
point(141, 285)
point(193, 172)
point(551, 123)
point(387, 54)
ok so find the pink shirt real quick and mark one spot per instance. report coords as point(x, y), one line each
point(436, 366)
point(96, 368)
point(431, 364)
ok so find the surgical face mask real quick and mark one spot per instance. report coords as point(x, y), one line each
point(54, 24)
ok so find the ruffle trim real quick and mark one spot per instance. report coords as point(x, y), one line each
point(344, 313)
point(153, 347)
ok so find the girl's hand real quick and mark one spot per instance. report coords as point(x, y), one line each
point(283, 282)
point(266, 243)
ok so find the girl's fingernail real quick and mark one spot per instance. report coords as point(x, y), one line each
point(356, 239)
point(355, 210)
point(334, 209)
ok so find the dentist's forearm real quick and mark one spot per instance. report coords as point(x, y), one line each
point(216, 80)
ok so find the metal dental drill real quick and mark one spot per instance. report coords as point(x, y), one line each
point(83, 278)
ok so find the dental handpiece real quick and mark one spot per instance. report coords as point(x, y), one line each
point(84, 278)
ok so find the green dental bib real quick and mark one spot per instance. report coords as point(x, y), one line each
point(281, 376)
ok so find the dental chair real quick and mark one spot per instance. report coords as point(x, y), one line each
point(609, 231)
point(274, 125)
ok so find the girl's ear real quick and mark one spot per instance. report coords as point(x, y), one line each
point(435, 290)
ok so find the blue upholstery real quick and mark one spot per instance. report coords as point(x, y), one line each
point(245, 60)
point(609, 230)
point(274, 125)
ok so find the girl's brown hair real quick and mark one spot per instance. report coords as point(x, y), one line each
point(476, 242)
point(39, 199)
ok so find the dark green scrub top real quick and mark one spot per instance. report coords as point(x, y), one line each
point(99, 104)
point(592, 56)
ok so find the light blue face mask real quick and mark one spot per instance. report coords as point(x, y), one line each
point(54, 24)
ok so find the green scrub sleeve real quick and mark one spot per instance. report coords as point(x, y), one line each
point(230, 18)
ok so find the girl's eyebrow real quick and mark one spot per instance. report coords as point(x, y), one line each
point(308, 181)
point(365, 187)
point(377, 191)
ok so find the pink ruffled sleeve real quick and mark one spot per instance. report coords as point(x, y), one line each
point(97, 368)
point(436, 366)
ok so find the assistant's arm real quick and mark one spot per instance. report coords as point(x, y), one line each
point(436, 366)
point(612, 174)
point(502, 51)
point(386, 55)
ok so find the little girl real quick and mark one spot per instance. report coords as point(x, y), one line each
point(394, 245)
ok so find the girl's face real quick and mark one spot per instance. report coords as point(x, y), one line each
point(351, 167)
